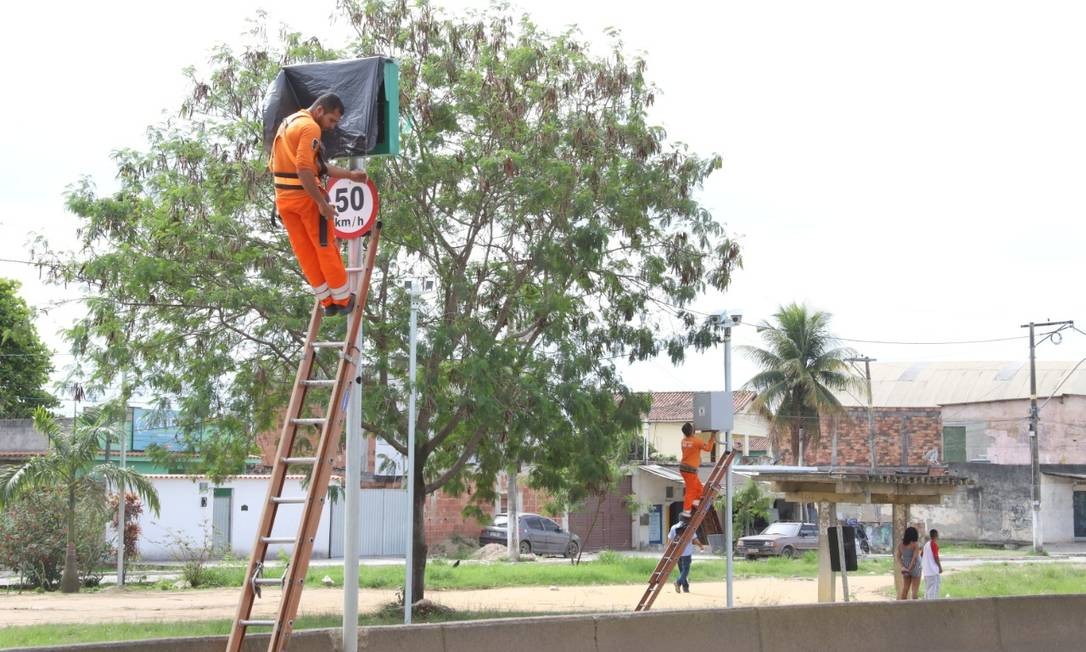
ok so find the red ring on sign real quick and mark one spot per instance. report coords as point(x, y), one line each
point(371, 218)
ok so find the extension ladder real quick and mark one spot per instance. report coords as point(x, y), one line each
point(674, 548)
point(331, 426)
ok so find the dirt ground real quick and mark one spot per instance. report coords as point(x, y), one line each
point(147, 606)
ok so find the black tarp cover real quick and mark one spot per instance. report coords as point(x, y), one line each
point(357, 82)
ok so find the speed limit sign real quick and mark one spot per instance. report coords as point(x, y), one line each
point(356, 207)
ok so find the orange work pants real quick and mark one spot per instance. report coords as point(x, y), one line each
point(322, 266)
point(693, 489)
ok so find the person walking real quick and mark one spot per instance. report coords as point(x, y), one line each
point(688, 468)
point(297, 166)
point(683, 583)
point(931, 566)
point(908, 560)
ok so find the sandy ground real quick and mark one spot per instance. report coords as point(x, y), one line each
point(144, 605)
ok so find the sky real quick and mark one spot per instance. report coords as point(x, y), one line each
point(915, 169)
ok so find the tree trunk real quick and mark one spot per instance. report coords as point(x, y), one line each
point(418, 542)
point(513, 522)
point(591, 527)
point(69, 580)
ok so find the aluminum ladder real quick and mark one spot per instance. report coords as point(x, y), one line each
point(331, 428)
point(674, 548)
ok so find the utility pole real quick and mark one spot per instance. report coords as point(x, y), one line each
point(870, 407)
point(1034, 419)
point(121, 530)
point(729, 489)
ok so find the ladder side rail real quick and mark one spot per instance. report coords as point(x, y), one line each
point(656, 581)
point(275, 485)
point(331, 435)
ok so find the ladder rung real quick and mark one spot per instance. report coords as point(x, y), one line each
point(257, 623)
point(277, 539)
point(327, 345)
point(299, 460)
point(286, 500)
point(314, 421)
point(355, 269)
point(268, 581)
point(320, 382)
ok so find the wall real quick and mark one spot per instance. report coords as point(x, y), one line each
point(903, 436)
point(19, 435)
point(1018, 624)
point(1057, 508)
point(998, 430)
point(649, 490)
point(182, 514)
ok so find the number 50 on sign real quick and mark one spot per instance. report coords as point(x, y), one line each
point(356, 207)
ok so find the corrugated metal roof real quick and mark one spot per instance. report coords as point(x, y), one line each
point(186, 476)
point(931, 384)
point(679, 406)
point(663, 472)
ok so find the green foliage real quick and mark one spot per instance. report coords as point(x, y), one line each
point(32, 542)
point(801, 367)
point(992, 580)
point(749, 505)
point(24, 359)
point(553, 216)
point(70, 465)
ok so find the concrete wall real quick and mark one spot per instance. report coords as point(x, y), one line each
point(19, 435)
point(183, 515)
point(1026, 624)
point(996, 508)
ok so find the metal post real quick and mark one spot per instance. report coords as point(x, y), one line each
point(841, 557)
point(416, 292)
point(870, 414)
point(728, 489)
point(353, 484)
point(120, 502)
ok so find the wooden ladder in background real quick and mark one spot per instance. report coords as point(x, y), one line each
point(674, 548)
point(331, 428)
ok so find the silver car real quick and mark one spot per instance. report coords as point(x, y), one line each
point(538, 534)
point(786, 540)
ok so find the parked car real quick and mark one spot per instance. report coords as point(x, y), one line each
point(538, 534)
point(779, 539)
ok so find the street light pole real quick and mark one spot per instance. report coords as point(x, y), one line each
point(416, 293)
point(870, 407)
point(728, 488)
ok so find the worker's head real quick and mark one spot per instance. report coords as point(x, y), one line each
point(327, 110)
point(911, 536)
point(933, 535)
point(688, 429)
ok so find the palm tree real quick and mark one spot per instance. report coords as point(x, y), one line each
point(801, 367)
point(70, 464)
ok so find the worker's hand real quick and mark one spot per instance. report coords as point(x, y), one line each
point(358, 176)
point(328, 211)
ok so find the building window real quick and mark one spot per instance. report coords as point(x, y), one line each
point(954, 443)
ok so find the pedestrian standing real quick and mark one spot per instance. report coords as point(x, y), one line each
point(931, 567)
point(908, 562)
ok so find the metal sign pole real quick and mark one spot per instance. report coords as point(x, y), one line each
point(841, 558)
point(353, 484)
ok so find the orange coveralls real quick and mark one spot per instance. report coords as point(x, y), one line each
point(296, 147)
point(692, 448)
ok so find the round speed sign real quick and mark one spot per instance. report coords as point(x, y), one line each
point(356, 207)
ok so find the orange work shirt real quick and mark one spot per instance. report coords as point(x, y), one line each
point(296, 147)
point(692, 448)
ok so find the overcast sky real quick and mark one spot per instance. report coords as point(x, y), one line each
point(916, 169)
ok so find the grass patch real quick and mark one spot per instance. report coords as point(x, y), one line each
point(51, 635)
point(991, 580)
point(975, 551)
point(610, 569)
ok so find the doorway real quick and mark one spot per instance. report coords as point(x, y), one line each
point(220, 520)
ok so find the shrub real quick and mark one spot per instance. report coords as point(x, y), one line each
point(32, 538)
point(193, 555)
point(609, 557)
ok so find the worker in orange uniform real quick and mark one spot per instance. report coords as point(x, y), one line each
point(297, 165)
point(688, 468)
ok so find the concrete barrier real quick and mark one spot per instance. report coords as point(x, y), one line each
point(1018, 624)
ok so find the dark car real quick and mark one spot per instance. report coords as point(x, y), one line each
point(538, 534)
point(779, 539)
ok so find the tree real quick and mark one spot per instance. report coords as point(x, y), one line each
point(70, 464)
point(554, 217)
point(751, 505)
point(24, 359)
point(801, 367)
